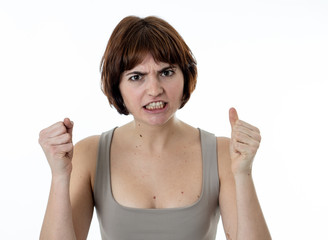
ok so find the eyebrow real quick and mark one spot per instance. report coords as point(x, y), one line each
point(144, 73)
point(135, 73)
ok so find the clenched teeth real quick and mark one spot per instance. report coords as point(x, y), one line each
point(155, 105)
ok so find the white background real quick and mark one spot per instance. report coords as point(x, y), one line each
point(266, 58)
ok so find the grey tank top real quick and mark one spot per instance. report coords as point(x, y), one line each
point(194, 222)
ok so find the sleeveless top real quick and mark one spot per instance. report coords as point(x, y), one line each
point(197, 221)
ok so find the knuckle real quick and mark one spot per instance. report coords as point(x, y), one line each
point(62, 128)
point(42, 140)
point(237, 129)
point(238, 134)
point(68, 137)
point(59, 124)
point(234, 136)
point(236, 144)
point(44, 144)
point(253, 150)
point(254, 143)
point(70, 146)
point(65, 137)
point(53, 150)
point(41, 133)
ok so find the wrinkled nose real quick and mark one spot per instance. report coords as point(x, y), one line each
point(154, 87)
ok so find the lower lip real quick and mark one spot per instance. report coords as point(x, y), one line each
point(158, 110)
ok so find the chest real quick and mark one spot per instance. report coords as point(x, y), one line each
point(170, 179)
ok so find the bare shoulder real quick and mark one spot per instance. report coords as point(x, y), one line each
point(81, 185)
point(85, 157)
point(87, 144)
point(86, 150)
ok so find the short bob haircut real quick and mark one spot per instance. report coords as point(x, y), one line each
point(132, 39)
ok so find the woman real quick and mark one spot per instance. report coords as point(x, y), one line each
point(155, 177)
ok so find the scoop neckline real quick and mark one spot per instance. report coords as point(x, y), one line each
point(194, 204)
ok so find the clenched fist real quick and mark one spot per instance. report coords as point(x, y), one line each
point(244, 142)
point(56, 142)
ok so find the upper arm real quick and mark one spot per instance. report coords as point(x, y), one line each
point(81, 195)
point(227, 195)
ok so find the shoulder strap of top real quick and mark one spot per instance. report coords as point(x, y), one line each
point(102, 177)
point(210, 162)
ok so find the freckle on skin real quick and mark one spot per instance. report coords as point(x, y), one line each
point(181, 192)
point(154, 197)
point(140, 135)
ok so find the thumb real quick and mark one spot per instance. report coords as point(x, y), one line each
point(233, 116)
point(69, 125)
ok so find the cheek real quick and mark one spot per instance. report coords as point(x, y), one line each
point(176, 92)
point(179, 88)
point(125, 94)
point(130, 96)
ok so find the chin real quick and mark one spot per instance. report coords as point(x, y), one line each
point(156, 121)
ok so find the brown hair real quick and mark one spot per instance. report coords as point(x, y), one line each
point(129, 43)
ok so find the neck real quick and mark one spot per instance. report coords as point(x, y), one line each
point(155, 138)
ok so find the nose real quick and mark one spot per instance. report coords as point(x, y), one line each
point(154, 86)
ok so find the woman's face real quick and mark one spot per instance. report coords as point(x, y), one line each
point(151, 91)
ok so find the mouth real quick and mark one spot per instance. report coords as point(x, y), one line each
point(155, 105)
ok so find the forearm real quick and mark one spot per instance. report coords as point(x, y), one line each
point(251, 222)
point(58, 220)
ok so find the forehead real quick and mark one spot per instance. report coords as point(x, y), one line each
point(149, 62)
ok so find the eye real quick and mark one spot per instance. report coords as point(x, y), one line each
point(135, 77)
point(167, 72)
